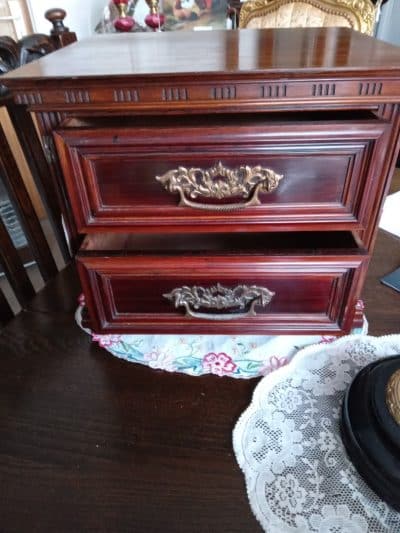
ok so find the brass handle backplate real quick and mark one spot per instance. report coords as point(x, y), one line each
point(220, 298)
point(393, 395)
point(220, 183)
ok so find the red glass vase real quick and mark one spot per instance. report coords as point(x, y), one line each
point(124, 22)
point(155, 21)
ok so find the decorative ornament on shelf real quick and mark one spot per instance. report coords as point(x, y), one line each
point(124, 22)
point(154, 20)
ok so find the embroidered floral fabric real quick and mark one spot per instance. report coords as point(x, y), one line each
point(238, 357)
point(288, 444)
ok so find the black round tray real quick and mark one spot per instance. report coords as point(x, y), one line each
point(369, 432)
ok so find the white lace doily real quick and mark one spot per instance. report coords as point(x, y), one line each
point(288, 444)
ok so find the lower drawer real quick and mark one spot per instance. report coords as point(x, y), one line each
point(135, 285)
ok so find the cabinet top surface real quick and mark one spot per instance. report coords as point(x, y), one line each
point(281, 51)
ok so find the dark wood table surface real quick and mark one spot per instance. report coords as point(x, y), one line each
point(89, 442)
point(382, 303)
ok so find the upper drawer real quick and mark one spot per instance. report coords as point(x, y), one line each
point(250, 173)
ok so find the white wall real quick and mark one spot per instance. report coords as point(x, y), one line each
point(389, 24)
point(81, 18)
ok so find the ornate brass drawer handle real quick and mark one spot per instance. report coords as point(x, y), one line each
point(220, 298)
point(220, 183)
point(393, 396)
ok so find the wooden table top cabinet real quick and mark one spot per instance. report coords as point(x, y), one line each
point(223, 182)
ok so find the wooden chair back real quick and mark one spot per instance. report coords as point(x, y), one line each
point(360, 15)
point(23, 239)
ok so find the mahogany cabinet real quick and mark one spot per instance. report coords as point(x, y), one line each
point(236, 191)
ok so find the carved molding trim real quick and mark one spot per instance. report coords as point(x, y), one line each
point(49, 121)
point(28, 98)
point(227, 92)
point(170, 94)
point(274, 91)
point(77, 97)
point(370, 89)
point(126, 95)
point(323, 89)
point(257, 93)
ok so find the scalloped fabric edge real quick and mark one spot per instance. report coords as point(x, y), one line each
point(243, 356)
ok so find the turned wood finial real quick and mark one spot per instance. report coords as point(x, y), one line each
point(56, 16)
point(60, 34)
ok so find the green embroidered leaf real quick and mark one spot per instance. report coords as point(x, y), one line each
point(131, 352)
point(187, 362)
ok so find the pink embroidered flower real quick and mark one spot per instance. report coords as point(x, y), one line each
point(106, 340)
point(220, 364)
point(360, 305)
point(274, 363)
point(327, 339)
point(81, 300)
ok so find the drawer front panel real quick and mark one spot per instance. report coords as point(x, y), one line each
point(271, 177)
point(220, 295)
point(123, 182)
